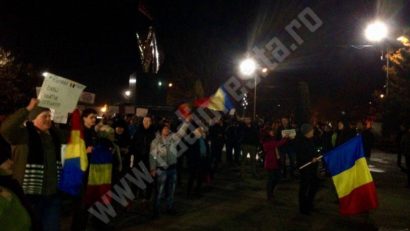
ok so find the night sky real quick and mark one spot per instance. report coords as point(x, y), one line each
point(93, 42)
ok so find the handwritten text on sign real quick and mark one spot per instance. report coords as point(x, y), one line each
point(59, 93)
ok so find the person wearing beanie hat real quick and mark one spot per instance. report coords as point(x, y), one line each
point(123, 141)
point(305, 128)
point(36, 111)
point(37, 150)
point(306, 152)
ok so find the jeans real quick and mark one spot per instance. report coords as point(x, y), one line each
point(48, 209)
point(166, 182)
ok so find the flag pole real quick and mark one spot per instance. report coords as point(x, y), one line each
point(309, 163)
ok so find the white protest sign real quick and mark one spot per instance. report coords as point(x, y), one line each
point(59, 93)
point(60, 117)
point(291, 133)
point(85, 97)
point(129, 109)
point(141, 112)
point(113, 110)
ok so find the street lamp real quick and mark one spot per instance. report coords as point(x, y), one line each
point(170, 85)
point(133, 80)
point(127, 93)
point(377, 32)
point(132, 87)
point(247, 68)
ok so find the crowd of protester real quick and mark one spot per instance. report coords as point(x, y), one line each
point(30, 160)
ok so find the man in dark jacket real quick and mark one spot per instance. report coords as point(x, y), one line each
point(217, 137)
point(305, 152)
point(233, 148)
point(140, 149)
point(287, 151)
point(197, 161)
point(250, 144)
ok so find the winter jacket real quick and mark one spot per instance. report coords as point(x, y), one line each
point(36, 154)
point(164, 150)
point(305, 152)
point(194, 156)
point(141, 143)
point(13, 215)
point(16, 206)
point(249, 135)
point(270, 147)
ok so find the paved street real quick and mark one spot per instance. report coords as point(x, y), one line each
point(229, 204)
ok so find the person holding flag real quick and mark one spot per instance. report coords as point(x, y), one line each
point(351, 176)
point(305, 153)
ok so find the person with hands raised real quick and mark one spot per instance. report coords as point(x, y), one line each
point(36, 150)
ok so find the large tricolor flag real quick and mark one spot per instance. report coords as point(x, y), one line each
point(351, 176)
point(75, 159)
point(220, 101)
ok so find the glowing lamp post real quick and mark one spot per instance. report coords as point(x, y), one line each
point(247, 68)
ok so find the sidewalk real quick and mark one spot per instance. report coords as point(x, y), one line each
point(231, 204)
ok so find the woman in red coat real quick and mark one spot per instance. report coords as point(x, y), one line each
point(270, 148)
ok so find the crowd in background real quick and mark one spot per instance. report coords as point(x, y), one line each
point(30, 167)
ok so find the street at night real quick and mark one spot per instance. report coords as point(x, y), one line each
point(205, 115)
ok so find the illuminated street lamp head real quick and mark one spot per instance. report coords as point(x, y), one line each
point(376, 31)
point(45, 74)
point(127, 93)
point(170, 85)
point(159, 83)
point(133, 80)
point(381, 96)
point(247, 67)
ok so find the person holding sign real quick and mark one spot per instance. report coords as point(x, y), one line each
point(270, 148)
point(37, 151)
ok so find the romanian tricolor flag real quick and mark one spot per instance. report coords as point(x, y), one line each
point(100, 173)
point(220, 101)
point(75, 159)
point(351, 176)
